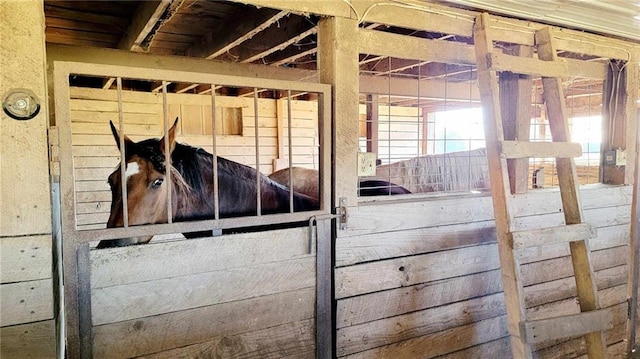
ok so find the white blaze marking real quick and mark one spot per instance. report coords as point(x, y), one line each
point(132, 169)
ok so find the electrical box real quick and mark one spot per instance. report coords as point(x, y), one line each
point(616, 157)
point(367, 163)
point(621, 157)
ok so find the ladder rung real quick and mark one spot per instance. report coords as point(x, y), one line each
point(526, 65)
point(553, 235)
point(535, 331)
point(525, 149)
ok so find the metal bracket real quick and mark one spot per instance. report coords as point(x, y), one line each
point(342, 212)
point(341, 215)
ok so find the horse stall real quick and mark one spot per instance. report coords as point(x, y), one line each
point(135, 301)
point(164, 127)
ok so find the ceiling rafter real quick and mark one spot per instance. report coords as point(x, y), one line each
point(281, 45)
point(145, 22)
point(219, 42)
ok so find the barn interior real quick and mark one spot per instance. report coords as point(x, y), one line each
point(376, 98)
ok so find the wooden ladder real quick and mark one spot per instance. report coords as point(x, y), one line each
point(591, 321)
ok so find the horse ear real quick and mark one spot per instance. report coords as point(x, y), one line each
point(116, 136)
point(172, 137)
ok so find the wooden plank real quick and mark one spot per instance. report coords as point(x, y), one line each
point(377, 246)
point(389, 303)
point(593, 196)
point(553, 235)
point(412, 325)
point(524, 149)
point(608, 237)
point(611, 297)
point(163, 332)
point(396, 273)
point(256, 248)
point(566, 326)
point(366, 219)
point(291, 339)
point(552, 269)
point(115, 303)
point(440, 343)
point(25, 258)
point(492, 349)
point(33, 340)
point(560, 289)
point(575, 347)
point(112, 106)
point(25, 302)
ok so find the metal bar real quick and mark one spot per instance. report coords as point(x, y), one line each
point(123, 161)
point(257, 134)
point(167, 152)
point(214, 152)
point(84, 301)
point(290, 149)
point(324, 290)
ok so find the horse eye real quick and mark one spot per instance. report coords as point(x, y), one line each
point(157, 183)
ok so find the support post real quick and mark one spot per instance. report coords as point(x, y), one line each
point(338, 66)
point(515, 102)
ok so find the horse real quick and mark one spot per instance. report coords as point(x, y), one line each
point(306, 181)
point(192, 191)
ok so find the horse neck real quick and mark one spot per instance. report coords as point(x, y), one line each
point(192, 183)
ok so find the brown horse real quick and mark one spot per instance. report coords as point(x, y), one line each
point(192, 189)
point(306, 182)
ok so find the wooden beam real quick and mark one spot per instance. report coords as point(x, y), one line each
point(515, 103)
point(126, 58)
point(275, 38)
point(145, 21)
point(415, 48)
point(215, 44)
point(294, 57)
point(567, 326)
point(338, 66)
point(422, 16)
point(525, 149)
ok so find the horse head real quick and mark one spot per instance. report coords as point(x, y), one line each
point(146, 185)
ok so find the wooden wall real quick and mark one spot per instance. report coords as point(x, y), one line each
point(236, 296)
point(27, 327)
point(96, 155)
point(423, 278)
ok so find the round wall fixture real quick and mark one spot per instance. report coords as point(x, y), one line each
point(21, 104)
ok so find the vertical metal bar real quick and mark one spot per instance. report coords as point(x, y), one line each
point(84, 301)
point(324, 290)
point(290, 149)
point(214, 152)
point(167, 151)
point(123, 161)
point(257, 134)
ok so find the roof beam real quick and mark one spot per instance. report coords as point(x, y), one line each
point(145, 20)
point(233, 34)
point(280, 40)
